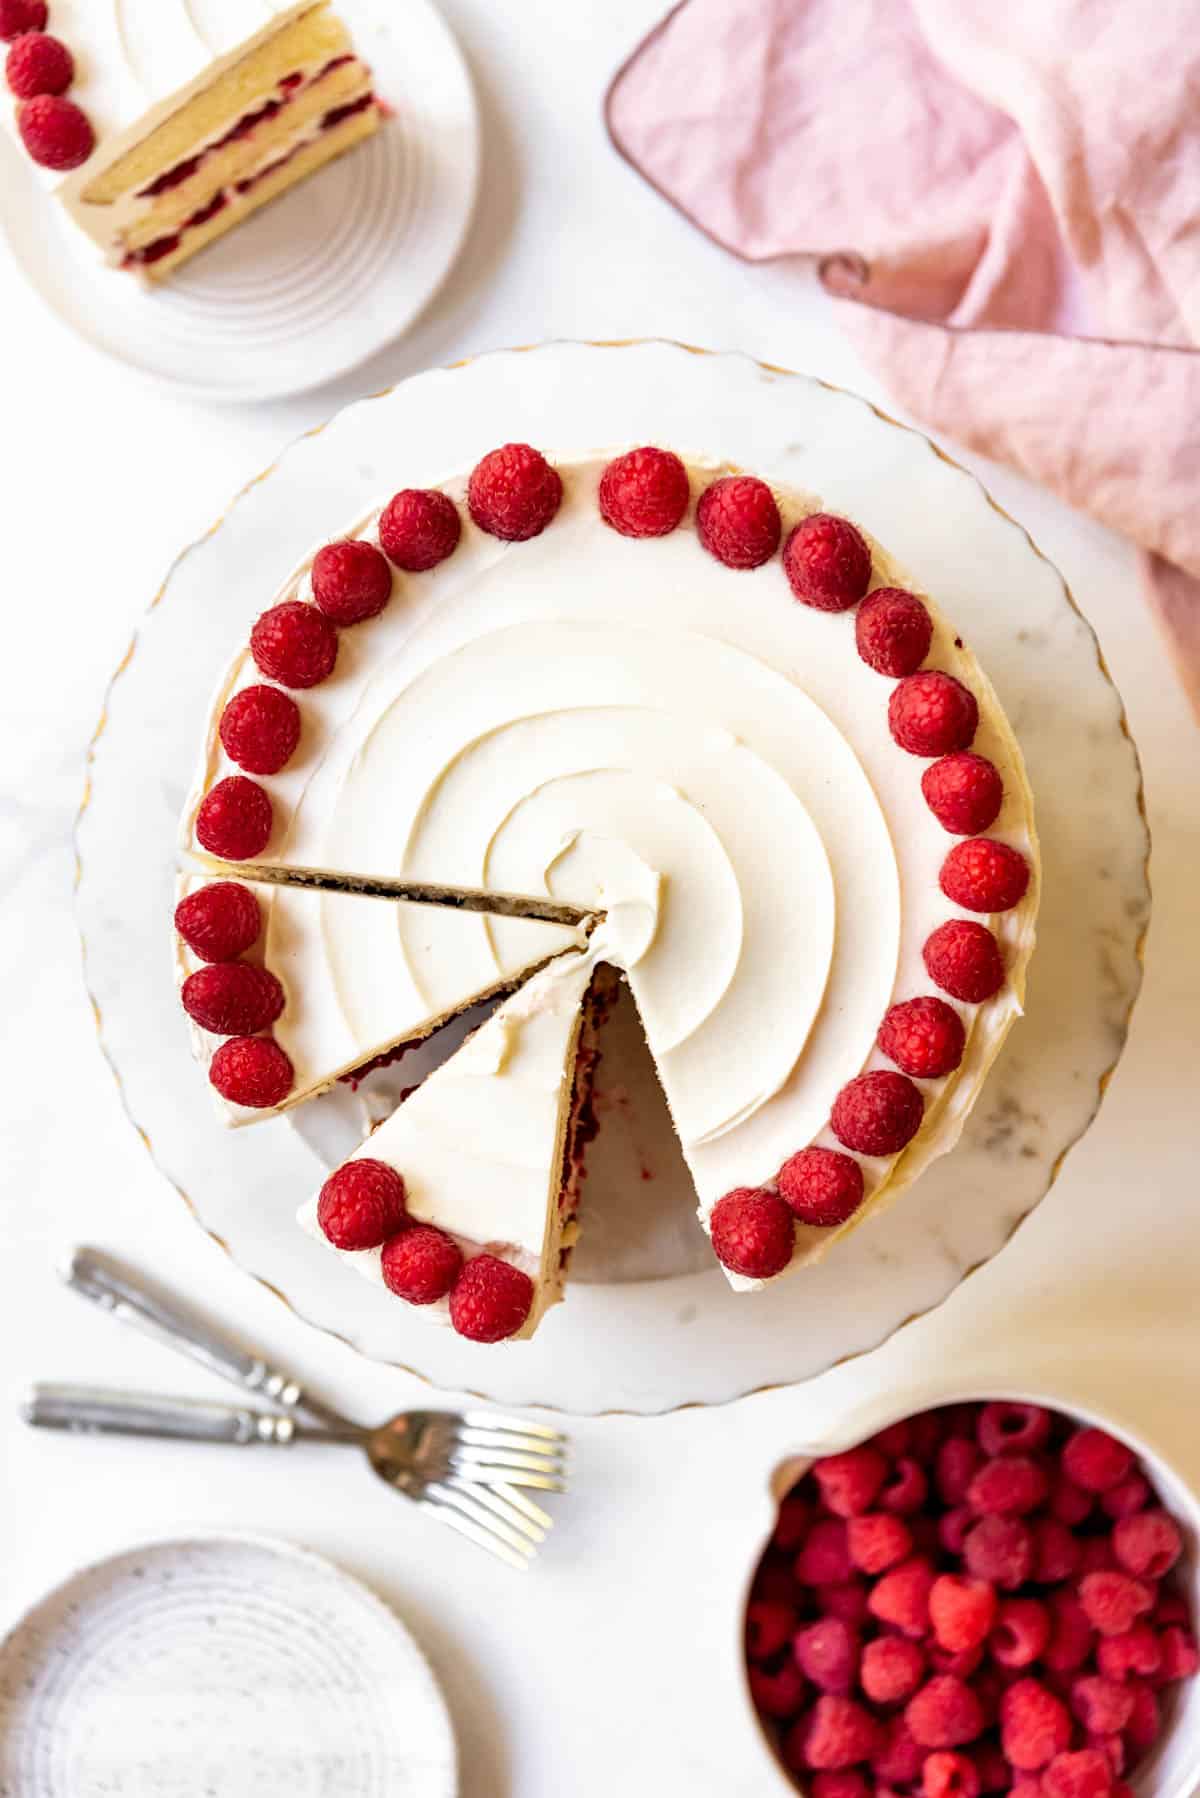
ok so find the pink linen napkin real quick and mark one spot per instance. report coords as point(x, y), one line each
point(1005, 204)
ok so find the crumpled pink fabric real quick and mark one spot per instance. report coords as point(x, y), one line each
point(1005, 202)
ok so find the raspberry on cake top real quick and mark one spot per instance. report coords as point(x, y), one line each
point(163, 124)
point(653, 688)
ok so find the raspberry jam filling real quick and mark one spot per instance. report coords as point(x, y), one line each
point(164, 246)
point(289, 86)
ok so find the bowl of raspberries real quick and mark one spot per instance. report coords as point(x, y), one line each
point(987, 1598)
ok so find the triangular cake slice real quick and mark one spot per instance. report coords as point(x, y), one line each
point(490, 1145)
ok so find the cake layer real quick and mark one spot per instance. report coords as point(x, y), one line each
point(482, 1144)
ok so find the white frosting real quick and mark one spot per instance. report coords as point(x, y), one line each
point(629, 725)
point(480, 1143)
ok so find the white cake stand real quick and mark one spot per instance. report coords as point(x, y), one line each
point(650, 1323)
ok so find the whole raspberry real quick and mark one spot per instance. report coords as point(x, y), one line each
point(838, 1733)
point(953, 1529)
point(738, 521)
point(844, 1784)
point(1006, 1427)
point(1084, 1774)
point(1055, 1551)
point(770, 1625)
point(847, 1600)
point(949, 1775)
point(892, 1669)
point(490, 1300)
point(1145, 1721)
point(1137, 1651)
point(827, 1654)
point(1127, 1496)
point(995, 1774)
point(778, 1695)
point(1000, 1549)
point(924, 1037)
point(1148, 1544)
point(901, 1597)
point(418, 528)
point(964, 792)
point(1034, 1725)
point(219, 921)
point(1069, 1502)
point(17, 16)
point(892, 631)
point(1010, 1486)
point(958, 1460)
point(260, 728)
point(983, 875)
point(877, 1113)
point(898, 1759)
point(1027, 1785)
point(294, 644)
point(962, 1610)
point(877, 1542)
point(963, 958)
point(931, 713)
point(827, 562)
point(1071, 1636)
point(1113, 1750)
point(232, 998)
point(421, 1264)
point(1103, 1706)
point(895, 1440)
point(753, 1232)
point(849, 1482)
point(825, 1558)
point(945, 1713)
point(362, 1204)
point(1171, 1607)
point(776, 1582)
point(1021, 1632)
point(57, 133)
point(792, 1523)
point(822, 1186)
point(38, 64)
point(351, 581)
point(234, 819)
point(514, 493)
point(1096, 1555)
point(1113, 1602)
point(644, 493)
point(963, 1663)
point(251, 1071)
point(906, 1488)
point(1180, 1657)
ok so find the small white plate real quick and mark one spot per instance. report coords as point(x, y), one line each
point(213, 1668)
point(317, 281)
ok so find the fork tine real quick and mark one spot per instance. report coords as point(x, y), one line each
point(474, 1532)
point(467, 1503)
point(519, 1502)
point(534, 1482)
point(496, 1501)
point(476, 1437)
point(498, 1420)
point(463, 1458)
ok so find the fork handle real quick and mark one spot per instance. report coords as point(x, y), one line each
point(110, 1286)
point(96, 1411)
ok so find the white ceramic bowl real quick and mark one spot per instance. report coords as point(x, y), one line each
point(1172, 1770)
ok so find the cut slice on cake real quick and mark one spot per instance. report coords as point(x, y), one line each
point(488, 1153)
point(177, 125)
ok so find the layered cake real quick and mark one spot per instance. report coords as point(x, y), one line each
point(164, 125)
point(743, 762)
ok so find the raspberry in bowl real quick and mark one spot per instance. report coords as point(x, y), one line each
point(988, 1596)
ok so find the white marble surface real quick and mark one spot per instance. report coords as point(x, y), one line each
point(614, 1660)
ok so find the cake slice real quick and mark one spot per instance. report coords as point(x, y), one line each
point(490, 1147)
point(234, 119)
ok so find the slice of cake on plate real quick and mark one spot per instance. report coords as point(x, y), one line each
point(172, 123)
point(663, 691)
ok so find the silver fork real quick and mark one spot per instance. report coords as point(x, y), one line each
point(465, 1468)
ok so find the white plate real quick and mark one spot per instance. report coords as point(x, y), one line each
point(653, 1325)
point(317, 281)
point(214, 1668)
